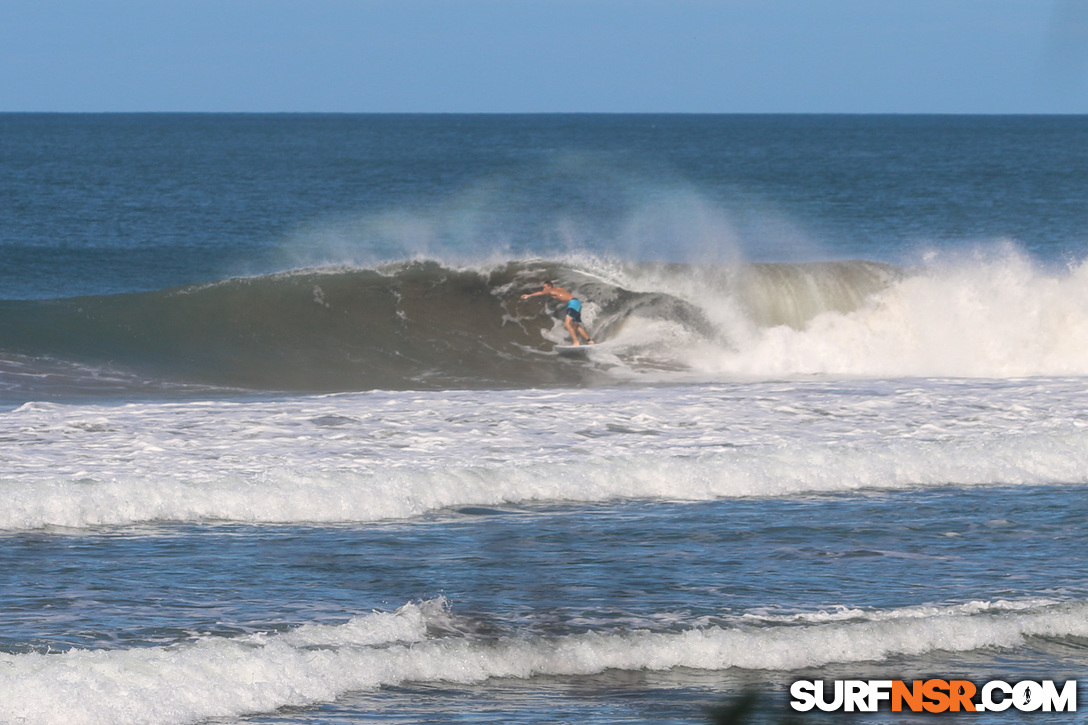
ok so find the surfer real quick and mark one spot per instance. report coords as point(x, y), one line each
point(573, 319)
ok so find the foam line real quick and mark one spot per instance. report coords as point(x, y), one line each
point(223, 677)
point(301, 497)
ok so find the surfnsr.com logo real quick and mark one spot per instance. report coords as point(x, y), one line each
point(933, 695)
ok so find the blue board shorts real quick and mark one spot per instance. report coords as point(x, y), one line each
point(574, 310)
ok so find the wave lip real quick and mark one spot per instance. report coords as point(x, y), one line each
point(421, 642)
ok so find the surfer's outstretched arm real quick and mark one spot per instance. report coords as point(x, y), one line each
point(573, 318)
point(550, 290)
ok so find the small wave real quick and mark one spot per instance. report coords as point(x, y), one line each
point(422, 642)
point(278, 494)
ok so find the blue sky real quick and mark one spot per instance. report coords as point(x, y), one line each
point(691, 56)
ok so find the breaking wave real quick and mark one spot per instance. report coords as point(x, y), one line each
point(418, 325)
point(425, 642)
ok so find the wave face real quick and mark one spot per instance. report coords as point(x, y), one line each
point(408, 325)
point(425, 325)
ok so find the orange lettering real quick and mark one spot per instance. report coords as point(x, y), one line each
point(913, 696)
point(961, 692)
point(935, 691)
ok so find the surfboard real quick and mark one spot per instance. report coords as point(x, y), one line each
point(574, 350)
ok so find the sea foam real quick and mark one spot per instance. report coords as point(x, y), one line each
point(992, 314)
point(222, 677)
point(378, 456)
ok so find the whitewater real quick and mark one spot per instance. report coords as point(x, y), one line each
point(315, 663)
point(369, 457)
point(281, 442)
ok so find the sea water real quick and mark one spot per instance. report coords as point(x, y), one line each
point(280, 441)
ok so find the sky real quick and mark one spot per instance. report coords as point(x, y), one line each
point(550, 56)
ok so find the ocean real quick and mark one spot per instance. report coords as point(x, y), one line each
point(281, 442)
